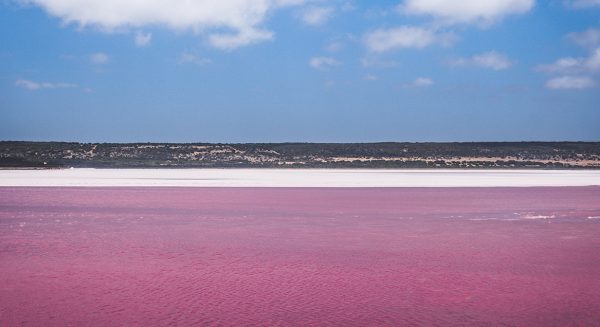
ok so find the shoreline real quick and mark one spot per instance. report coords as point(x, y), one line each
point(295, 177)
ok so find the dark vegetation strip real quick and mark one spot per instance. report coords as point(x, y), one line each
point(552, 155)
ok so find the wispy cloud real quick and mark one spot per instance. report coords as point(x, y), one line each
point(466, 11)
point(231, 41)
point(590, 64)
point(316, 15)
point(376, 62)
point(329, 84)
point(581, 4)
point(99, 58)
point(34, 86)
point(575, 72)
point(383, 40)
point(348, 6)
point(323, 63)
point(561, 65)
point(143, 39)
point(421, 82)
point(570, 83)
point(589, 39)
point(491, 60)
point(191, 58)
point(334, 46)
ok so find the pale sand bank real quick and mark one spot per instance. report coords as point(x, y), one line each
point(298, 178)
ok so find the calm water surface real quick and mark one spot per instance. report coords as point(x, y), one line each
point(299, 256)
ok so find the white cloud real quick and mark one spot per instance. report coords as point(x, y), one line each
point(589, 64)
point(370, 77)
point(572, 68)
point(348, 6)
point(593, 61)
point(26, 84)
point(99, 58)
point(316, 15)
point(466, 11)
point(229, 23)
point(422, 82)
point(34, 86)
point(192, 58)
point(377, 62)
point(323, 62)
point(334, 46)
point(382, 40)
point(579, 4)
point(570, 83)
point(230, 41)
point(490, 60)
point(143, 39)
point(588, 39)
point(561, 65)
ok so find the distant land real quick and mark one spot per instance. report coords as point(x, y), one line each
point(506, 155)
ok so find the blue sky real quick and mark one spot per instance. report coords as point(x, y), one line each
point(299, 70)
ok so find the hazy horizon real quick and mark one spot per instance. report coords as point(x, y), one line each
point(295, 142)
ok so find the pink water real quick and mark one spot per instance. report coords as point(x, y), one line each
point(352, 257)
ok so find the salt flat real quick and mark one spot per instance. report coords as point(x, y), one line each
point(299, 178)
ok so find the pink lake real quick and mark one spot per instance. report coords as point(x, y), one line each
point(299, 256)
